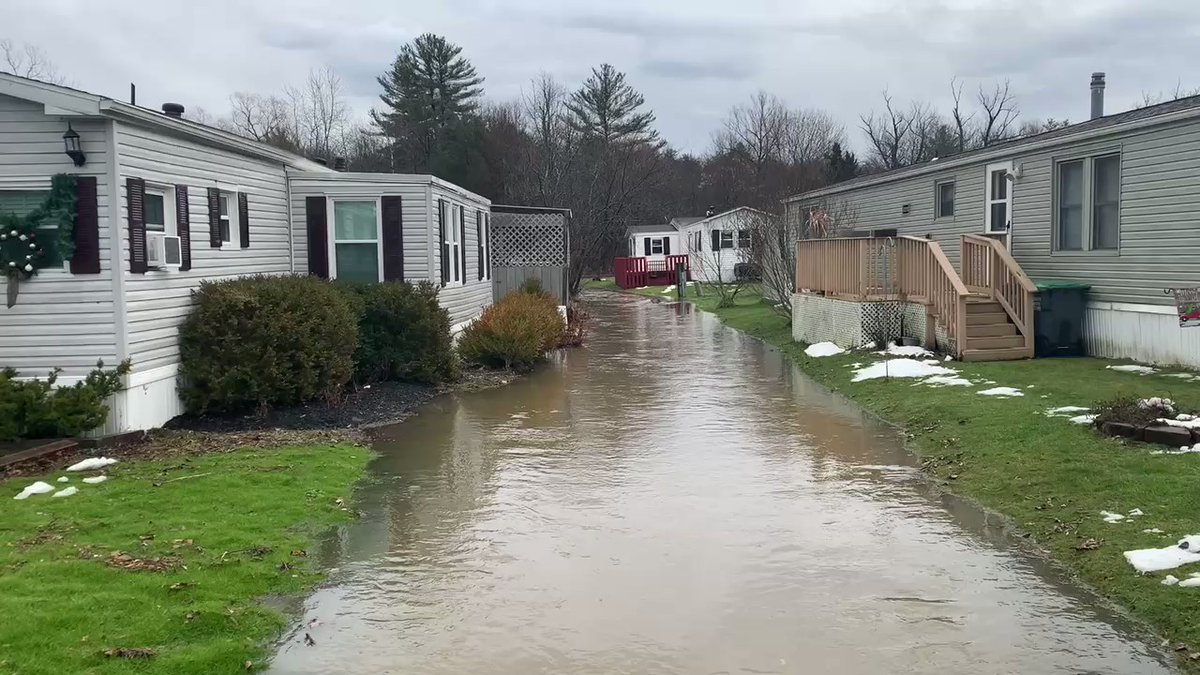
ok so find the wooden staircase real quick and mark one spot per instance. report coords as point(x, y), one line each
point(991, 335)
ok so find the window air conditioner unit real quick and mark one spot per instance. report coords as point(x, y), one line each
point(163, 250)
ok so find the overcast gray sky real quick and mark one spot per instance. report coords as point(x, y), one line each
point(692, 59)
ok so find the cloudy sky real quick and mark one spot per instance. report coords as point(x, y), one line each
point(692, 59)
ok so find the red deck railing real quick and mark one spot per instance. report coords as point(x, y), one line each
point(639, 272)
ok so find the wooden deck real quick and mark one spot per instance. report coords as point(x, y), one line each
point(641, 271)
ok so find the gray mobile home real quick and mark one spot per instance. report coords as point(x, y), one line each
point(1113, 202)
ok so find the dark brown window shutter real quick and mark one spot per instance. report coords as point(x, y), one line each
point(646, 241)
point(86, 234)
point(479, 241)
point(462, 243)
point(716, 240)
point(443, 250)
point(135, 196)
point(666, 246)
point(214, 217)
point(318, 236)
point(392, 216)
point(183, 227)
point(244, 220)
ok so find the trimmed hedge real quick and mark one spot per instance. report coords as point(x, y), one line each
point(403, 333)
point(37, 409)
point(513, 333)
point(262, 341)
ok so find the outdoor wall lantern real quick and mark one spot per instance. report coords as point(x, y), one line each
point(73, 148)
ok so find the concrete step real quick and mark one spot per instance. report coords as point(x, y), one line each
point(991, 329)
point(974, 319)
point(1002, 342)
point(984, 307)
point(1010, 354)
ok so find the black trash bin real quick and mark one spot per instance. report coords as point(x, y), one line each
point(1058, 311)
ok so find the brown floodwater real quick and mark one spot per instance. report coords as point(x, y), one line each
point(678, 498)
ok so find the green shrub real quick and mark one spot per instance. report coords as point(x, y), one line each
point(513, 333)
point(256, 342)
point(37, 409)
point(403, 333)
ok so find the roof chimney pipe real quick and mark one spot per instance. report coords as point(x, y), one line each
point(172, 110)
point(1097, 95)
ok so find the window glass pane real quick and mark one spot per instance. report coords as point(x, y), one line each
point(999, 184)
point(21, 202)
point(945, 200)
point(656, 246)
point(354, 220)
point(999, 216)
point(224, 227)
point(726, 238)
point(743, 238)
point(224, 205)
point(155, 218)
point(1106, 180)
point(1070, 206)
point(357, 262)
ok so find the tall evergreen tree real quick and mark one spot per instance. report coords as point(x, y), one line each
point(840, 164)
point(428, 91)
point(607, 108)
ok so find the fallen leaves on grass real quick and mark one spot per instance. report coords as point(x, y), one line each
point(130, 653)
point(129, 563)
point(181, 585)
point(1089, 544)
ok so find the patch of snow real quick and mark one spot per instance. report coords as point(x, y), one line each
point(1190, 582)
point(64, 479)
point(894, 349)
point(1182, 376)
point(1167, 558)
point(95, 479)
point(1184, 417)
point(822, 349)
point(1134, 513)
point(1141, 370)
point(899, 368)
point(38, 488)
point(1061, 412)
point(1002, 391)
point(989, 382)
point(1083, 419)
point(1152, 530)
point(930, 362)
point(1185, 450)
point(1169, 580)
point(66, 492)
point(91, 463)
point(948, 358)
point(946, 381)
point(855, 365)
point(1186, 424)
point(668, 289)
point(868, 346)
point(1110, 517)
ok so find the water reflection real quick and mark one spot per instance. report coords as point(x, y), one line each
point(676, 498)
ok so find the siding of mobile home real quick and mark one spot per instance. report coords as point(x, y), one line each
point(707, 266)
point(1159, 245)
point(61, 320)
point(419, 198)
point(637, 244)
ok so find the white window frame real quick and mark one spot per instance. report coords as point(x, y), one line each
point(657, 242)
point(1088, 235)
point(452, 237)
point(168, 196)
point(937, 200)
point(485, 241)
point(988, 226)
point(723, 235)
point(333, 241)
point(233, 216)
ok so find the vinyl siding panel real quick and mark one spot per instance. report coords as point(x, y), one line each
point(1159, 213)
point(158, 301)
point(467, 300)
point(413, 190)
point(61, 320)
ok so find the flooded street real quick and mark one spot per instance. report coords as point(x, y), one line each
point(676, 498)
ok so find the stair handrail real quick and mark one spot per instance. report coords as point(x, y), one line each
point(986, 260)
point(926, 272)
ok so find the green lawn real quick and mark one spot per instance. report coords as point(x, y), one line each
point(1050, 476)
point(230, 528)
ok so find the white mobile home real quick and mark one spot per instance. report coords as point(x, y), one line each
point(165, 203)
point(653, 242)
point(719, 246)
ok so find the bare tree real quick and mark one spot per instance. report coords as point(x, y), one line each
point(1149, 99)
point(555, 143)
point(758, 129)
point(887, 133)
point(962, 121)
point(1035, 126)
point(27, 60)
point(1000, 113)
point(810, 135)
point(319, 113)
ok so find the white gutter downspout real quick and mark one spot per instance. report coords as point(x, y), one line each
point(287, 177)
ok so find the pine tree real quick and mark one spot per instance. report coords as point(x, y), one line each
point(840, 164)
point(606, 109)
point(429, 88)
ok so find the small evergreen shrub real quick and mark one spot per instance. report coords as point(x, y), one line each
point(513, 333)
point(37, 409)
point(403, 333)
point(256, 342)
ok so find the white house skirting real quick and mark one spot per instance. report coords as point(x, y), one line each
point(1146, 333)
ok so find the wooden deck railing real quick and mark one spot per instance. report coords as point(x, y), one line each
point(988, 267)
point(902, 268)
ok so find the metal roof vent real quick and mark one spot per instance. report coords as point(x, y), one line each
point(172, 110)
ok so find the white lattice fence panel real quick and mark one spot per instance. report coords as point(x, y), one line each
point(528, 239)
